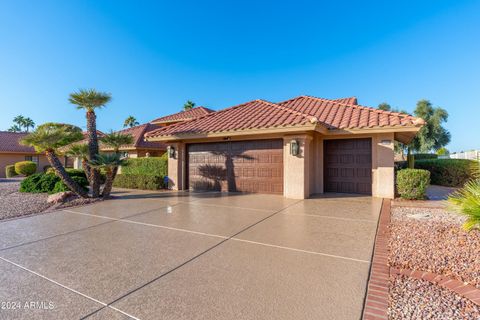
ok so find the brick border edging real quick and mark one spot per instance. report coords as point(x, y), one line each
point(376, 301)
point(465, 290)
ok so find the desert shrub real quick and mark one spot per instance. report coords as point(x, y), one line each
point(31, 183)
point(425, 156)
point(50, 170)
point(449, 172)
point(76, 173)
point(10, 171)
point(26, 168)
point(466, 201)
point(152, 166)
point(139, 181)
point(61, 187)
point(413, 183)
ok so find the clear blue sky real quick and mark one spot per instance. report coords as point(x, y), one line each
point(153, 56)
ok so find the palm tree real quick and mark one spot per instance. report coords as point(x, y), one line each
point(80, 150)
point(15, 128)
point(110, 163)
point(115, 140)
point(89, 100)
point(188, 105)
point(28, 123)
point(131, 121)
point(48, 138)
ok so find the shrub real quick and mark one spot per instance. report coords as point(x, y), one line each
point(139, 181)
point(49, 183)
point(413, 183)
point(449, 172)
point(153, 166)
point(425, 156)
point(61, 187)
point(466, 201)
point(10, 171)
point(26, 168)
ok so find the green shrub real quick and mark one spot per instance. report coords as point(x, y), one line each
point(50, 183)
point(47, 168)
point(449, 172)
point(413, 183)
point(26, 168)
point(425, 156)
point(10, 171)
point(467, 202)
point(152, 166)
point(61, 187)
point(139, 181)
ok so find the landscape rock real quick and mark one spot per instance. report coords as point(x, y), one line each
point(59, 197)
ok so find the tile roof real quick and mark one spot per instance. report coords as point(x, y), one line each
point(300, 111)
point(251, 115)
point(184, 115)
point(349, 100)
point(138, 133)
point(339, 115)
point(10, 142)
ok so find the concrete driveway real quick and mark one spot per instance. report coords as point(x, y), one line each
point(190, 256)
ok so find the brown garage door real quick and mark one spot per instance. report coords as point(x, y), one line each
point(243, 166)
point(348, 165)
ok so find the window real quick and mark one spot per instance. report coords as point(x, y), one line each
point(32, 158)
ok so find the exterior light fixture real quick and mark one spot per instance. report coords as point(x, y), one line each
point(294, 148)
point(171, 152)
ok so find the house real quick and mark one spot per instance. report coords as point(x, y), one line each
point(11, 151)
point(182, 116)
point(298, 147)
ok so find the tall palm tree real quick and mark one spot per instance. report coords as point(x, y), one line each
point(130, 122)
point(48, 138)
point(188, 105)
point(15, 128)
point(80, 150)
point(28, 123)
point(89, 100)
point(110, 163)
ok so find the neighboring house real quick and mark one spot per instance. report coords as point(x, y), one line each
point(297, 147)
point(470, 155)
point(11, 151)
point(182, 116)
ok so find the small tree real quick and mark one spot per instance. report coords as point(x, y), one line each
point(110, 163)
point(432, 136)
point(189, 105)
point(130, 122)
point(48, 138)
point(384, 106)
point(443, 152)
point(90, 100)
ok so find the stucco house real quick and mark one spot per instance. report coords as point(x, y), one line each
point(297, 148)
point(11, 151)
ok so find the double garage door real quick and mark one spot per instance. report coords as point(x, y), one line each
point(236, 166)
point(257, 166)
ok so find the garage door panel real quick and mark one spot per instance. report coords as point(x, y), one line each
point(348, 166)
point(245, 166)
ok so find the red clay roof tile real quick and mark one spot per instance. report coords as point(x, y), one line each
point(10, 142)
point(184, 115)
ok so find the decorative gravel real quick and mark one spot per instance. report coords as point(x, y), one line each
point(433, 240)
point(420, 299)
point(15, 204)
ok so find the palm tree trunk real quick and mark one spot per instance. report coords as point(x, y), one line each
point(93, 151)
point(62, 174)
point(109, 182)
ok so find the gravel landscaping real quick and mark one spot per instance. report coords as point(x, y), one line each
point(420, 299)
point(433, 240)
point(14, 204)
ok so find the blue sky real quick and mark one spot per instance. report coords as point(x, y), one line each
point(153, 56)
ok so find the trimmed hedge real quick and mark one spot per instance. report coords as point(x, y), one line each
point(152, 166)
point(26, 168)
point(449, 172)
point(50, 183)
point(412, 183)
point(139, 181)
point(425, 156)
point(10, 171)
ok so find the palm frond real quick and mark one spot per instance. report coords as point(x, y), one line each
point(466, 201)
point(89, 99)
point(107, 160)
point(78, 150)
point(115, 140)
point(51, 136)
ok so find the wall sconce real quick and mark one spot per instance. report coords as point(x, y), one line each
point(171, 152)
point(294, 148)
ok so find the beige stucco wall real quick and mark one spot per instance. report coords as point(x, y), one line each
point(303, 174)
point(11, 158)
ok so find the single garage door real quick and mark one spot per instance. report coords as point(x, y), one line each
point(348, 165)
point(236, 166)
